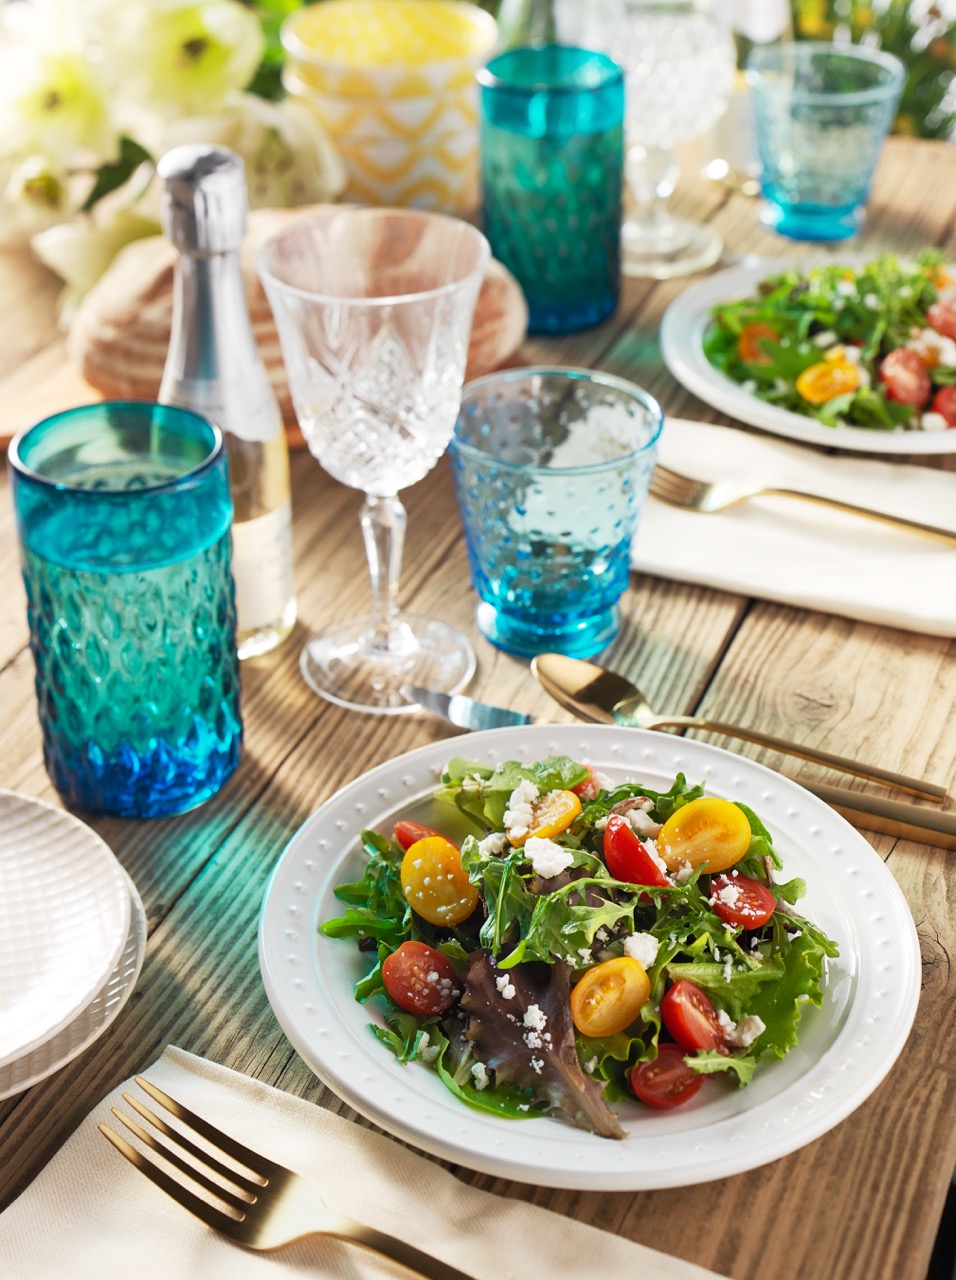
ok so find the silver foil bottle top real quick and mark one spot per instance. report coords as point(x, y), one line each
point(204, 198)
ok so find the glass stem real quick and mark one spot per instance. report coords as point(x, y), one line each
point(383, 523)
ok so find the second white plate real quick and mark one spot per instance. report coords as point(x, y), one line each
point(845, 1048)
point(64, 919)
point(682, 345)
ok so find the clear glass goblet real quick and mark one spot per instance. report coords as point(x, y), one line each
point(374, 309)
point(680, 61)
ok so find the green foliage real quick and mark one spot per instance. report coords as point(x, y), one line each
point(918, 34)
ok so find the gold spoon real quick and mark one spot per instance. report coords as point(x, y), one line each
point(604, 697)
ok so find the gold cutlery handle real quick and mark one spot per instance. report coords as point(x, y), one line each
point(884, 517)
point(422, 1264)
point(890, 817)
point(871, 772)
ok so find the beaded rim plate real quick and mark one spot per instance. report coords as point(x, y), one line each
point(845, 1049)
point(682, 337)
point(64, 919)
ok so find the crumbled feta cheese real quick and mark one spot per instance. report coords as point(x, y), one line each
point(933, 422)
point(729, 895)
point(642, 947)
point(871, 301)
point(728, 968)
point(742, 1034)
point(749, 386)
point(493, 844)
point(846, 288)
point(427, 1051)
point(591, 1064)
point(547, 858)
point(479, 1074)
point(537, 1064)
point(651, 847)
point(683, 872)
point(642, 824)
point(519, 813)
point(506, 987)
point(535, 1017)
point(825, 339)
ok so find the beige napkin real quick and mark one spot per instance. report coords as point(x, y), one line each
point(800, 553)
point(90, 1215)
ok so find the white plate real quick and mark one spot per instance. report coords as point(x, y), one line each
point(64, 917)
point(845, 1048)
point(682, 344)
point(93, 1019)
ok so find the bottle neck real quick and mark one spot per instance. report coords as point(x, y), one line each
point(211, 333)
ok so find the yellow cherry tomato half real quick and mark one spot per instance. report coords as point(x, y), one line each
point(826, 380)
point(434, 882)
point(609, 997)
point(552, 813)
point(707, 830)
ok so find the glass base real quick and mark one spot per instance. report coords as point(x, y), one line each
point(580, 639)
point(811, 221)
point(569, 317)
point(341, 664)
point(672, 247)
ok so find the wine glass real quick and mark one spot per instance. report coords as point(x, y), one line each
point(374, 309)
point(680, 61)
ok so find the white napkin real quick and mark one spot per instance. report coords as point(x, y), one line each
point(797, 552)
point(90, 1215)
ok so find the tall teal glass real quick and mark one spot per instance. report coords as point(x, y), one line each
point(552, 467)
point(124, 514)
point(552, 162)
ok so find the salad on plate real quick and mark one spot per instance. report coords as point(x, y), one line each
point(590, 943)
point(871, 346)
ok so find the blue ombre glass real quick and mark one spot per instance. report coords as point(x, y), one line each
point(124, 514)
point(822, 112)
point(552, 467)
point(552, 162)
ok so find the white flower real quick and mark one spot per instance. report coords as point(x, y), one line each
point(288, 157)
point(53, 105)
point(179, 58)
point(35, 195)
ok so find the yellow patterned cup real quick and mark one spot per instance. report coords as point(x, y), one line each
point(389, 48)
point(440, 173)
point(346, 118)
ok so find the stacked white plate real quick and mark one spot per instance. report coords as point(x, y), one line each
point(72, 939)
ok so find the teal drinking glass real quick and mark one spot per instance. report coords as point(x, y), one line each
point(124, 514)
point(552, 467)
point(552, 162)
point(822, 112)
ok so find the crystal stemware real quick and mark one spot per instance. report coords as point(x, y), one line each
point(680, 61)
point(374, 309)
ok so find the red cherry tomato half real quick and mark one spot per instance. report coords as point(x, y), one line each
point(589, 788)
point(420, 979)
point(942, 317)
point(408, 833)
point(905, 378)
point(667, 1081)
point(625, 855)
point(741, 902)
point(691, 1019)
point(944, 403)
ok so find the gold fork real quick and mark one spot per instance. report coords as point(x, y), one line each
point(711, 496)
point(264, 1206)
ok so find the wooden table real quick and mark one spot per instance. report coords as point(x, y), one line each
point(863, 1201)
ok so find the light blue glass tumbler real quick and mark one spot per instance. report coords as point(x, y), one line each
point(822, 112)
point(124, 514)
point(552, 467)
point(552, 162)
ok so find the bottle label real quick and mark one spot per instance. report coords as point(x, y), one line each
point(262, 568)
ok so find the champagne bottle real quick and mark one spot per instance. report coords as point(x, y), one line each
point(214, 367)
